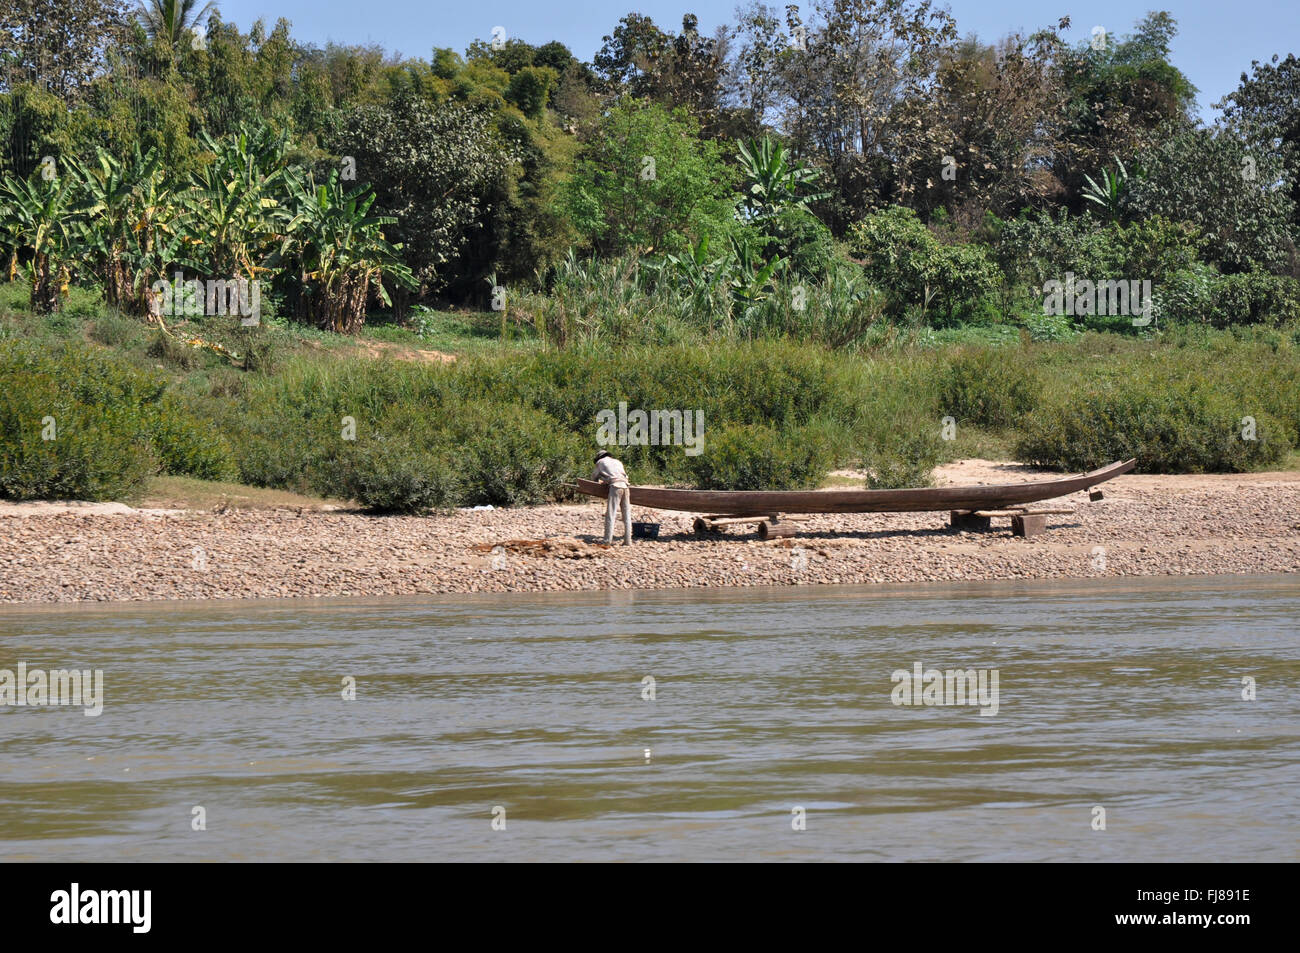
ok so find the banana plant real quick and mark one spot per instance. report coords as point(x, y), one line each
point(130, 230)
point(9, 243)
point(751, 278)
point(235, 214)
point(339, 252)
point(41, 215)
point(1110, 193)
point(695, 272)
point(771, 182)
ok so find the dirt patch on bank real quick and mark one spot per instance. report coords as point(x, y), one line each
point(402, 352)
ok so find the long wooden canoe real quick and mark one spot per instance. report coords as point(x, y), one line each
point(765, 502)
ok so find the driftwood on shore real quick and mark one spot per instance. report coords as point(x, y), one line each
point(562, 548)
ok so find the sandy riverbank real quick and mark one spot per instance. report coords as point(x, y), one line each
point(1146, 525)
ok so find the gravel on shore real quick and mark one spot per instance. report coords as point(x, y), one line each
point(1146, 525)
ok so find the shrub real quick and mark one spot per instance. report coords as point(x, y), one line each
point(510, 455)
point(274, 453)
point(1253, 298)
point(1170, 426)
point(906, 457)
point(985, 387)
point(187, 446)
point(61, 438)
point(900, 254)
point(800, 237)
point(1198, 293)
point(388, 475)
point(1186, 294)
point(1154, 248)
point(1038, 249)
point(757, 457)
point(1048, 327)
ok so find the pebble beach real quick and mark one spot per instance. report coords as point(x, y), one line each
point(1145, 526)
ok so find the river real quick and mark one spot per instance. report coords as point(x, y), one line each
point(528, 728)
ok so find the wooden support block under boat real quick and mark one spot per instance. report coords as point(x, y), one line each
point(704, 525)
point(1028, 524)
point(776, 530)
point(715, 522)
point(963, 520)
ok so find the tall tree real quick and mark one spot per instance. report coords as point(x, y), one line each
point(647, 183)
point(677, 70)
point(437, 168)
point(996, 118)
point(851, 74)
point(172, 18)
point(57, 46)
point(1122, 96)
point(1264, 111)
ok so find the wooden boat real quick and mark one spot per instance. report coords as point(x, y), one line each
point(953, 498)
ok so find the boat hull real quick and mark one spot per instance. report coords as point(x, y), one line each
point(920, 499)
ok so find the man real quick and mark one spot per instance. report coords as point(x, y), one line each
point(609, 470)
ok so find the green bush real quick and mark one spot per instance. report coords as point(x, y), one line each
point(388, 475)
point(510, 455)
point(756, 457)
point(905, 458)
point(1253, 298)
point(1037, 249)
point(797, 235)
point(1033, 250)
point(275, 452)
point(409, 432)
point(62, 437)
point(1169, 426)
point(986, 388)
point(187, 446)
point(1048, 327)
point(903, 256)
point(1154, 248)
point(1199, 294)
point(1186, 295)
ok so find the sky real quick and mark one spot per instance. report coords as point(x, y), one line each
point(1216, 41)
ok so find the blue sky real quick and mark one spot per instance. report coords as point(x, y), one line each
point(1216, 41)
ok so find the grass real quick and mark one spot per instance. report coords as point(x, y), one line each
point(454, 332)
point(188, 493)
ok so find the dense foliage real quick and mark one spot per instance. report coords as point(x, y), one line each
point(864, 121)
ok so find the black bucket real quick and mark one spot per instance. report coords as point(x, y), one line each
point(645, 530)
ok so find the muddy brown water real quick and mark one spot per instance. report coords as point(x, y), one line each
point(772, 710)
